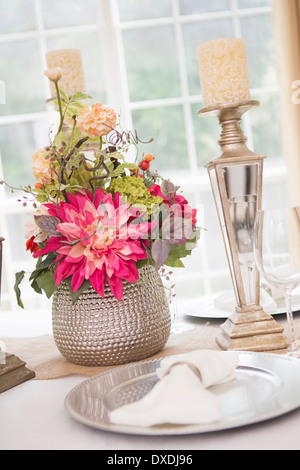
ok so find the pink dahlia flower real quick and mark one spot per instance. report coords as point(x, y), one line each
point(99, 239)
point(180, 218)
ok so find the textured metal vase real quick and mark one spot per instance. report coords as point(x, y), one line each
point(98, 331)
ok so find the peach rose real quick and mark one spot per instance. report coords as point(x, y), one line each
point(41, 168)
point(96, 121)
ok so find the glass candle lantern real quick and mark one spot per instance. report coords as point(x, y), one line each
point(236, 182)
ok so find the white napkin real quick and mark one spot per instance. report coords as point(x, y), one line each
point(181, 396)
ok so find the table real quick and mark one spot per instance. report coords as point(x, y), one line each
point(32, 416)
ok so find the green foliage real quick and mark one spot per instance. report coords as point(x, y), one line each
point(42, 278)
point(135, 192)
point(71, 106)
point(18, 279)
point(177, 252)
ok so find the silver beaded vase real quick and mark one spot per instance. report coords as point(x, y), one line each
point(96, 331)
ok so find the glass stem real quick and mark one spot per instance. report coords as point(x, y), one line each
point(290, 318)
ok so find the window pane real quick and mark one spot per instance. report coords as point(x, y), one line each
point(275, 194)
point(258, 34)
point(16, 227)
point(190, 7)
point(16, 16)
point(23, 78)
point(90, 47)
point(59, 14)
point(207, 133)
point(132, 10)
point(254, 3)
point(166, 127)
point(18, 142)
point(266, 126)
point(152, 70)
point(196, 33)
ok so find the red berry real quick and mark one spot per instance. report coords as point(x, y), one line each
point(144, 165)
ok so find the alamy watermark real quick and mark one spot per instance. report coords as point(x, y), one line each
point(296, 93)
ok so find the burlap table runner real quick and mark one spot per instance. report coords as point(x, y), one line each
point(42, 356)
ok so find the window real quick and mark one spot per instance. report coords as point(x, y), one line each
point(139, 56)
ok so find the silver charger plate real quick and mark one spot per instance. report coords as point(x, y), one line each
point(266, 386)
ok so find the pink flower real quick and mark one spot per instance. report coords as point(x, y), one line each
point(32, 229)
point(41, 168)
point(100, 240)
point(96, 121)
point(179, 205)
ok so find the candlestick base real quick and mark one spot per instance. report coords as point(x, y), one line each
point(13, 371)
point(252, 331)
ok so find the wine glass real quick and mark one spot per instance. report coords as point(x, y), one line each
point(277, 256)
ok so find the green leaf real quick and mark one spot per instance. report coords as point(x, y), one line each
point(19, 278)
point(148, 183)
point(43, 265)
point(143, 262)
point(79, 96)
point(63, 96)
point(183, 250)
point(36, 287)
point(174, 262)
point(46, 282)
point(75, 105)
point(59, 139)
point(131, 166)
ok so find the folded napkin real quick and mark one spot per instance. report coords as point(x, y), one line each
point(181, 395)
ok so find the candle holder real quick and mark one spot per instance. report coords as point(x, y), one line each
point(236, 182)
point(13, 371)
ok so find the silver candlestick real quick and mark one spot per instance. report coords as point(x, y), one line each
point(236, 181)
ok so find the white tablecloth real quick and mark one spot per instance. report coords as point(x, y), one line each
point(33, 417)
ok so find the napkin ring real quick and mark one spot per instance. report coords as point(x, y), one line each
point(188, 364)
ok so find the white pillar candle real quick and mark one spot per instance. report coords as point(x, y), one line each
point(69, 60)
point(223, 71)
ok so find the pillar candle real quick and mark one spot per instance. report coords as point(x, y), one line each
point(73, 76)
point(223, 71)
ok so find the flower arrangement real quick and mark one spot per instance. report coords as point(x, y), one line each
point(98, 218)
